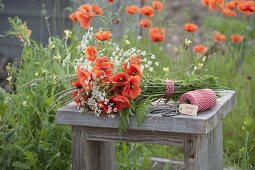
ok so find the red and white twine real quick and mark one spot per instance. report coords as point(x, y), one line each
point(169, 88)
point(204, 98)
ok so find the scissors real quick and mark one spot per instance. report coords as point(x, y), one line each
point(166, 111)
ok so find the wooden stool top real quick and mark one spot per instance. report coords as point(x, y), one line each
point(203, 123)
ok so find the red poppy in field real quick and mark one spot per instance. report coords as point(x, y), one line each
point(216, 4)
point(119, 79)
point(102, 67)
point(200, 49)
point(145, 22)
point(189, 27)
point(90, 53)
point(73, 16)
point(247, 7)
point(28, 34)
point(157, 5)
point(133, 70)
point(237, 38)
point(238, 2)
point(91, 10)
point(120, 102)
point(111, 1)
point(228, 12)
point(157, 34)
point(97, 10)
point(103, 35)
point(230, 5)
point(147, 11)
point(132, 9)
point(205, 2)
point(85, 13)
point(218, 37)
point(132, 89)
point(87, 10)
point(83, 19)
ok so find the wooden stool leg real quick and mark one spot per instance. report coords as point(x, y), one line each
point(91, 155)
point(204, 151)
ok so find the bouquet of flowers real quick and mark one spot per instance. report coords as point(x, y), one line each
point(111, 81)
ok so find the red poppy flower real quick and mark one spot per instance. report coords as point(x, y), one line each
point(91, 10)
point(79, 95)
point(157, 34)
point(110, 1)
point(97, 10)
point(218, 37)
point(145, 22)
point(247, 7)
point(119, 79)
point(134, 70)
point(117, 89)
point(102, 67)
point(76, 84)
point(132, 89)
point(83, 18)
point(136, 60)
point(230, 5)
point(190, 27)
point(84, 77)
point(103, 107)
point(238, 2)
point(90, 53)
point(200, 49)
point(236, 38)
point(103, 35)
point(120, 102)
point(228, 12)
point(157, 5)
point(147, 11)
point(216, 4)
point(132, 9)
point(205, 2)
point(86, 12)
point(73, 16)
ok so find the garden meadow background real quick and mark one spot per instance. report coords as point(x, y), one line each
point(29, 137)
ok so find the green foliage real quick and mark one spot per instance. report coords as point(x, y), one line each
point(225, 25)
point(141, 110)
point(133, 156)
point(29, 136)
point(124, 120)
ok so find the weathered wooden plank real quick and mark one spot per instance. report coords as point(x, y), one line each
point(107, 134)
point(203, 123)
point(91, 155)
point(204, 151)
point(106, 155)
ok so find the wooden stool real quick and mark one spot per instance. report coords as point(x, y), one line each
point(201, 136)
